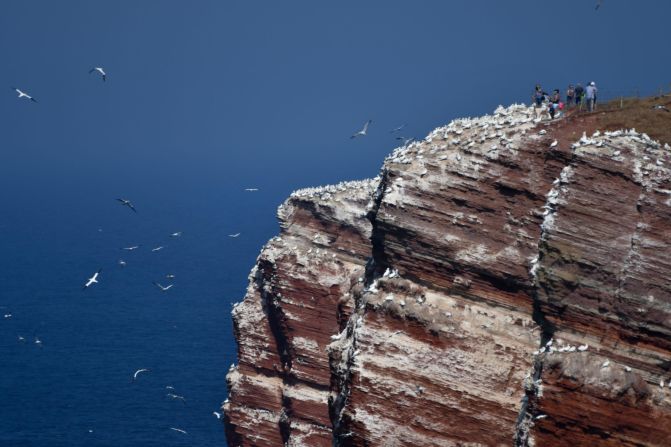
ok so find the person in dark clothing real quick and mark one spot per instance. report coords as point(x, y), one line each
point(579, 94)
point(570, 95)
point(538, 97)
point(555, 99)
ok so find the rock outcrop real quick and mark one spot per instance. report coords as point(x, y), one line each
point(504, 281)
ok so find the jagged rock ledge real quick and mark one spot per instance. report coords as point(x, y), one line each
point(502, 282)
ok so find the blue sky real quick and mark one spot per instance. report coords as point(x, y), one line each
point(225, 92)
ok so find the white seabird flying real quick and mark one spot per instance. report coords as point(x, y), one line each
point(122, 263)
point(131, 248)
point(251, 189)
point(92, 280)
point(164, 289)
point(176, 397)
point(23, 94)
point(138, 372)
point(179, 430)
point(126, 202)
point(176, 234)
point(234, 235)
point(362, 132)
point(397, 129)
point(406, 140)
point(159, 248)
point(99, 70)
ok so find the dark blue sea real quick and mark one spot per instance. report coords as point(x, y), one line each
point(59, 225)
point(76, 388)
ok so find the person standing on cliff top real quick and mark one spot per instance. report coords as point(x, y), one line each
point(538, 97)
point(590, 96)
point(570, 95)
point(555, 100)
point(579, 94)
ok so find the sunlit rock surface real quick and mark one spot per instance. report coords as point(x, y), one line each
point(504, 281)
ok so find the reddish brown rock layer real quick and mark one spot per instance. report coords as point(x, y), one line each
point(503, 282)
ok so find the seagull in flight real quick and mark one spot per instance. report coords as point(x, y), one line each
point(138, 372)
point(251, 189)
point(131, 248)
point(99, 70)
point(159, 248)
point(362, 132)
point(176, 234)
point(163, 288)
point(126, 202)
point(38, 342)
point(92, 280)
point(397, 129)
point(170, 276)
point(176, 397)
point(23, 94)
point(122, 263)
point(234, 235)
point(405, 140)
point(216, 414)
point(179, 430)
point(8, 315)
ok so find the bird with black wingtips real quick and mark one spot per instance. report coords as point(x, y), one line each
point(126, 202)
point(92, 280)
point(99, 70)
point(23, 94)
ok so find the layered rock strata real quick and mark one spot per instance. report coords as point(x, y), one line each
point(502, 282)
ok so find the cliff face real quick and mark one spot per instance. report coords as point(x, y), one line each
point(503, 282)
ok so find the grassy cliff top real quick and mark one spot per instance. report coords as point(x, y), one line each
point(638, 113)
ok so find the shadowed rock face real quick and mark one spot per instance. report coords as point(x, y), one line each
point(484, 290)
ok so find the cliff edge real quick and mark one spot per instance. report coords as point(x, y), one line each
point(503, 282)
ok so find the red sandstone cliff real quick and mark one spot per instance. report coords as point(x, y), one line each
point(486, 290)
